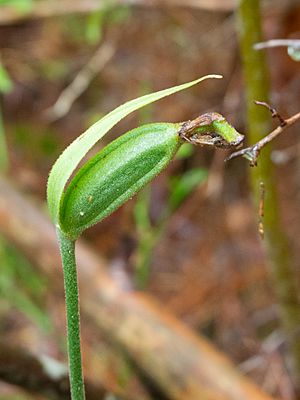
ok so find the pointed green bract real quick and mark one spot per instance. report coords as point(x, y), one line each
point(73, 154)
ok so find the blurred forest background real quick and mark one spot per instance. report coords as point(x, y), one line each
point(188, 245)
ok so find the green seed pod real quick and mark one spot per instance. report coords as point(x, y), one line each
point(116, 174)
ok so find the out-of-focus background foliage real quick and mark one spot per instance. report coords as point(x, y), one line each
point(190, 239)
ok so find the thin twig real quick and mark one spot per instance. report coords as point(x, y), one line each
point(273, 111)
point(261, 210)
point(252, 153)
point(277, 43)
point(82, 80)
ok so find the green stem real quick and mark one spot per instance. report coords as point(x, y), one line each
point(67, 250)
point(277, 246)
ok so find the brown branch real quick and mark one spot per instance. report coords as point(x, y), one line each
point(181, 363)
point(273, 111)
point(40, 375)
point(47, 9)
point(252, 153)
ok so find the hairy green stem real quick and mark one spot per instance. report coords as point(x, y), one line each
point(277, 248)
point(67, 250)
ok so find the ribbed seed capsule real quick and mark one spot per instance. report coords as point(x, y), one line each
point(116, 174)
